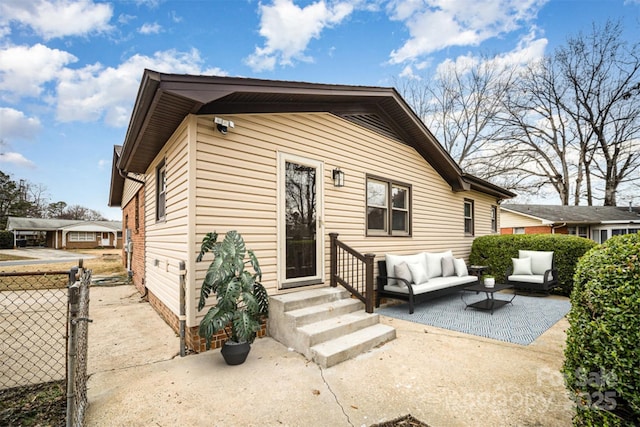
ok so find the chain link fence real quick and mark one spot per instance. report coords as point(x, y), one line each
point(33, 327)
point(44, 320)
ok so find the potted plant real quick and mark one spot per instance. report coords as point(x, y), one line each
point(242, 301)
point(489, 281)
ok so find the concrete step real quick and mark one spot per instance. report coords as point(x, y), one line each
point(301, 299)
point(319, 312)
point(332, 352)
point(325, 330)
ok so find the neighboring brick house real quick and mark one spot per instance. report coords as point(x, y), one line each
point(594, 222)
point(65, 233)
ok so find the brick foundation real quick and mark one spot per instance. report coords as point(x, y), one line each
point(192, 340)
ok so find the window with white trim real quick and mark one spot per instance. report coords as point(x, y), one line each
point(494, 219)
point(82, 236)
point(388, 208)
point(468, 217)
point(161, 191)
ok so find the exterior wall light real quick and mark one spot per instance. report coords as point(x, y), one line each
point(338, 178)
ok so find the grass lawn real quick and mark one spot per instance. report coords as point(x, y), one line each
point(106, 262)
point(7, 257)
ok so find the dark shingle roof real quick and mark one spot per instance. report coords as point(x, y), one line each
point(577, 214)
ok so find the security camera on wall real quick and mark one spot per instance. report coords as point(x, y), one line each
point(223, 125)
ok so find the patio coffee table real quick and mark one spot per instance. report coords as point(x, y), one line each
point(489, 303)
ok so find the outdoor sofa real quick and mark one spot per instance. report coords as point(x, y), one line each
point(420, 277)
point(533, 271)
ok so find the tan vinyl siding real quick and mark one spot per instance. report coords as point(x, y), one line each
point(130, 190)
point(236, 187)
point(166, 240)
point(511, 220)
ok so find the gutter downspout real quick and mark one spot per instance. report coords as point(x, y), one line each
point(182, 317)
point(553, 227)
point(126, 176)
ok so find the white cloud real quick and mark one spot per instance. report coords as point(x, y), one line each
point(95, 91)
point(125, 19)
point(288, 29)
point(16, 159)
point(102, 163)
point(528, 51)
point(147, 28)
point(57, 18)
point(437, 24)
point(15, 125)
point(25, 69)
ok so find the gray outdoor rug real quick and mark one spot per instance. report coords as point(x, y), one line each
point(520, 322)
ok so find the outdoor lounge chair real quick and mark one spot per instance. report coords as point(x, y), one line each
point(533, 271)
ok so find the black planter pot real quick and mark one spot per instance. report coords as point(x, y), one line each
point(235, 353)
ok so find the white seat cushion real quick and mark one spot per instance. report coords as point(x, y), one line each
point(541, 261)
point(433, 284)
point(531, 278)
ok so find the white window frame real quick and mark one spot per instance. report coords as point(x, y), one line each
point(81, 236)
point(469, 218)
point(161, 191)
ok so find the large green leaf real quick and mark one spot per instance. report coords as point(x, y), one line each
point(228, 294)
point(215, 320)
point(260, 293)
point(233, 250)
point(255, 265)
point(208, 243)
point(244, 327)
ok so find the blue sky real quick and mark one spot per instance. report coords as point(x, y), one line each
point(70, 69)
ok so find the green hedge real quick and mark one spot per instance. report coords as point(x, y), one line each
point(6, 239)
point(602, 368)
point(497, 251)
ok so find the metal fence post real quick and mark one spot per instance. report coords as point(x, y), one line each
point(369, 258)
point(183, 314)
point(333, 261)
point(74, 299)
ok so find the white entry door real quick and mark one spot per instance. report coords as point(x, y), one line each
point(301, 242)
point(105, 239)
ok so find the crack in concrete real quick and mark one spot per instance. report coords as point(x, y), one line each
point(334, 396)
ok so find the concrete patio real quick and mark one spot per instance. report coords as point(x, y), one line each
point(440, 377)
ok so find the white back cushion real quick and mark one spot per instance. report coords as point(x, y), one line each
point(402, 271)
point(434, 262)
point(392, 260)
point(418, 272)
point(460, 267)
point(541, 261)
point(521, 266)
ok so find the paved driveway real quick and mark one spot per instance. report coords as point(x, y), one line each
point(41, 256)
point(440, 377)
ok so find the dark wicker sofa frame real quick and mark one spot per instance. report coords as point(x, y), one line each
point(412, 298)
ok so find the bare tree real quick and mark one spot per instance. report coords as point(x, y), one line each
point(540, 141)
point(603, 75)
point(460, 105)
point(81, 213)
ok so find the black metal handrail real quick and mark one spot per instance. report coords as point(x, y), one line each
point(353, 271)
